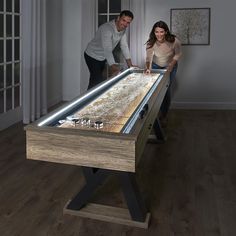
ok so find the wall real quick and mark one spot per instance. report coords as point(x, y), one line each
point(88, 23)
point(71, 48)
point(206, 77)
point(54, 51)
point(69, 29)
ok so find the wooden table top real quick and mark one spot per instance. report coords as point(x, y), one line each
point(115, 106)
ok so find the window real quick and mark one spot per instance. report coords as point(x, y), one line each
point(10, 57)
point(108, 10)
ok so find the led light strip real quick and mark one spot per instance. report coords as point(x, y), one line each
point(81, 99)
point(131, 123)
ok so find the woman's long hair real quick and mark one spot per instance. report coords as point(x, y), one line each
point(152, 37)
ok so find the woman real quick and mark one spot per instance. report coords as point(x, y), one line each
point(163, 52)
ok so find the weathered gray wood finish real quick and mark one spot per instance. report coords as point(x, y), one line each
point(188, 182)
point(83, 148)
point(108, 213)
point(115, 151)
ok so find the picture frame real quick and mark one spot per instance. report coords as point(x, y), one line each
point(191, 25)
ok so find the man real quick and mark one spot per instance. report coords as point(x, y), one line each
point(100, 48)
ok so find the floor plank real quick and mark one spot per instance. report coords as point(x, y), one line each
point(188, 183)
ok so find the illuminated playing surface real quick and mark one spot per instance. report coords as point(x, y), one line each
point(115, 106)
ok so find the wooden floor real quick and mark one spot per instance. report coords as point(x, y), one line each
point(188, 182)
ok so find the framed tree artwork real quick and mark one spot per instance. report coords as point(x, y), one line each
point(191, 25)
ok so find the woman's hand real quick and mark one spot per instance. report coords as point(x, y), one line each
point(148, 66)
point(171, 66)
point(147, 71)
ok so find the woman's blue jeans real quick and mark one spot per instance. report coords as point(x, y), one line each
point(167, 99)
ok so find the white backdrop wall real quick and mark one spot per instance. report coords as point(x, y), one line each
point(70, 25)
point(88, 30)
point(206, 75)
point(71, 48)
point(54, 51)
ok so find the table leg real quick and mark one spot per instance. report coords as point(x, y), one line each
point(133, 197)
point(93, 180)
point(159, 132)
point(95, 177)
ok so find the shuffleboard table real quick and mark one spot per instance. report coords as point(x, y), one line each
point(104, 131)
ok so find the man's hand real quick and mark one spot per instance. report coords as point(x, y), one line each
point(113, 70)
point(130, 64)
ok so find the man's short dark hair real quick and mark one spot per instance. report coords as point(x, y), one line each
point(127, 13)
